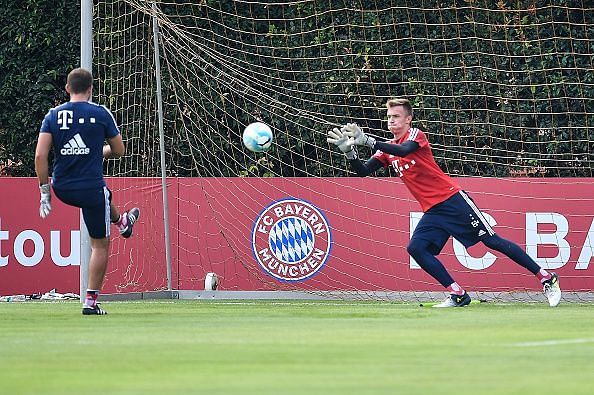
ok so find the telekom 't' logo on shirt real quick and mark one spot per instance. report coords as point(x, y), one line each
point(400, 168)
point(64, 119)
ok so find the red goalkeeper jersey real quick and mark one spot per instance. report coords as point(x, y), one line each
point(419, 172)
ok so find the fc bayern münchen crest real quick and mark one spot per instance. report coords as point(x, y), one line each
point(291, 239)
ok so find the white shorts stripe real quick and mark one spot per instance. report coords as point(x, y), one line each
point(478, 213)
point(107, 212)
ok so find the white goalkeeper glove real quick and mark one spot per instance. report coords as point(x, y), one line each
point(45, 205)
point(357, 137)
point(339, 139)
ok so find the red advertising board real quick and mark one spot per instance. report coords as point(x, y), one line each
point(296, 233)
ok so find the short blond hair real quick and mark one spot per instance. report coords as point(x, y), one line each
point(400, 102)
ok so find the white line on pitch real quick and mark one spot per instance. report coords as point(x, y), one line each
point(553, 342)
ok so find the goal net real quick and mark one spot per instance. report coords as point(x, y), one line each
point(504, 92)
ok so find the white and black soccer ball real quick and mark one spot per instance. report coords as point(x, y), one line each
point(257, 137)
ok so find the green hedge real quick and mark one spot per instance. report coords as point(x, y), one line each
point(501, 89)
point(40, 44)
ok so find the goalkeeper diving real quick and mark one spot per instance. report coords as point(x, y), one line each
point(448, 210)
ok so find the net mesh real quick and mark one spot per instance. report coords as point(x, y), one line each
point(502, 92)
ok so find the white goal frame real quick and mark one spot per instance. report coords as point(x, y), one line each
point(86, 61)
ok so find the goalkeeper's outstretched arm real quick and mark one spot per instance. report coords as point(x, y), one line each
point(373, 164)
point(402, 150)
point(365, 169)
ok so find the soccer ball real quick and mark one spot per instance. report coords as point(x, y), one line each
point(257, 137)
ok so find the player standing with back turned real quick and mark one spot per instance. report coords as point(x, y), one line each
point(77, 130)
point(448, 210)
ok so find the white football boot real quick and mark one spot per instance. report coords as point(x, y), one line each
point(552, 290)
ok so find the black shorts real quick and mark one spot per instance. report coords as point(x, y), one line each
point(95, 208)
point(457, 216)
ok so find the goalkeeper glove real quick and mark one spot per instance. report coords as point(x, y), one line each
point(45, 205)
point(357, 137)
point(339, 139)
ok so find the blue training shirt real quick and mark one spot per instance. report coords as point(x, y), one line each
point(79, 130)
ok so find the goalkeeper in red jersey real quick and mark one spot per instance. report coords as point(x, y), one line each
point(448, 210)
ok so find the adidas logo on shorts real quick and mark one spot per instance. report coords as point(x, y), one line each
point(75, 146)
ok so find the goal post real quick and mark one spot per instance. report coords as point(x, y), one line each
point(167, 238)
point(504, 93)
point(86, 61)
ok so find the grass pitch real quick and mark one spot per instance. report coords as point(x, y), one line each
point(263, 347)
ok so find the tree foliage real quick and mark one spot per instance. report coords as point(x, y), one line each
point(40, 45)
point(502, 89)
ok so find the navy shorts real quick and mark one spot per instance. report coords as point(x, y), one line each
point(95, 208)
point(458, 217)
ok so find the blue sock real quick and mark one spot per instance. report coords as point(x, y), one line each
point(512, 251)
point(419, 249)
